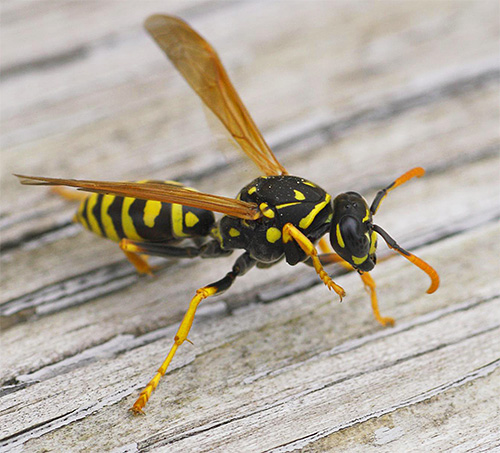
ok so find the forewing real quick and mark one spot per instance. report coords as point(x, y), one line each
point(200, 65)
point(167, 193)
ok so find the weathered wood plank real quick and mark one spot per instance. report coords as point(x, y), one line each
point(349, 96)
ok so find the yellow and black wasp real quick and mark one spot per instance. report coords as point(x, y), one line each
point(275, 216)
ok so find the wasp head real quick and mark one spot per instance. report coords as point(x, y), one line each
point(351, 234)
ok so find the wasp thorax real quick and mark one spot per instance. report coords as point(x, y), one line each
point(351, 232)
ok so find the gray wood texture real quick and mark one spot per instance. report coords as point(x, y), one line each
point(350, 95)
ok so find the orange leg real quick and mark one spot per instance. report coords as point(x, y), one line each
point(140, 262)
point(368, 281)
point(69, 194)
point(290, 232)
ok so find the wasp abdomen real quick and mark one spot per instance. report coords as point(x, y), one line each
point(117, 218)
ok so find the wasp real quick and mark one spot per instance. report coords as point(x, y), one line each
point(277, 216)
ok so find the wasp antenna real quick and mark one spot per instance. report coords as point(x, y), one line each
point(429, 270)
point(381, 194)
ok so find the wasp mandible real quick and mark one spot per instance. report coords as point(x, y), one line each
point(275, 216)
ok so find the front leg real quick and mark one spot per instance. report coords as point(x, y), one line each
point(329, 257)
point(290, 232)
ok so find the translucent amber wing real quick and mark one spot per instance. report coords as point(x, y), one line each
point(155, 191)
point(200, 65)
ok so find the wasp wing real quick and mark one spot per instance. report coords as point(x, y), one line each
point(157, 191)
point(200, 65)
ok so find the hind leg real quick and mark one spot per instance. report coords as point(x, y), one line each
point(243, 264)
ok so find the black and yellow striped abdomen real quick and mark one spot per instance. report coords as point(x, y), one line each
point(117, 218)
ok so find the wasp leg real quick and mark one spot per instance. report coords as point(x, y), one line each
point(290, 232)
point(69, 194)
point(242, 265)
point(140, 262)
point(211, 249)
point(370, 286)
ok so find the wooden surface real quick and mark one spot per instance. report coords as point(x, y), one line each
point(350, 95)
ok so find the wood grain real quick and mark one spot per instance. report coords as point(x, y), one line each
point(349, 95)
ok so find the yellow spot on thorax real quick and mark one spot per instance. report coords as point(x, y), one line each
point(266, 210)
point(273, 234)
point(234, 233)
point(309, 218)
point(191, 219)
point(215, 233)
point(286, 205)
point(367, 216)
point(151, 211)
point(252, 190)
point(299, 195)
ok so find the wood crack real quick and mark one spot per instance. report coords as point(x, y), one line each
point(478, 373)
point(157, 441)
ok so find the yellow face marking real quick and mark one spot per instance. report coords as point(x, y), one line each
point(252, 190)
point(367, 216)
point(107, 222)
point(299, 195)
point(273, 235)
point(127, 224)
point(266, 210)
point(308, 183)
point(340, 239)
point(191, 219)
point(178, 221)
point(308, 219)
point(151, 211)
point(93, 224)
point(285, 205)
point(234, 233)
point(373, 243)
point(357, 260)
